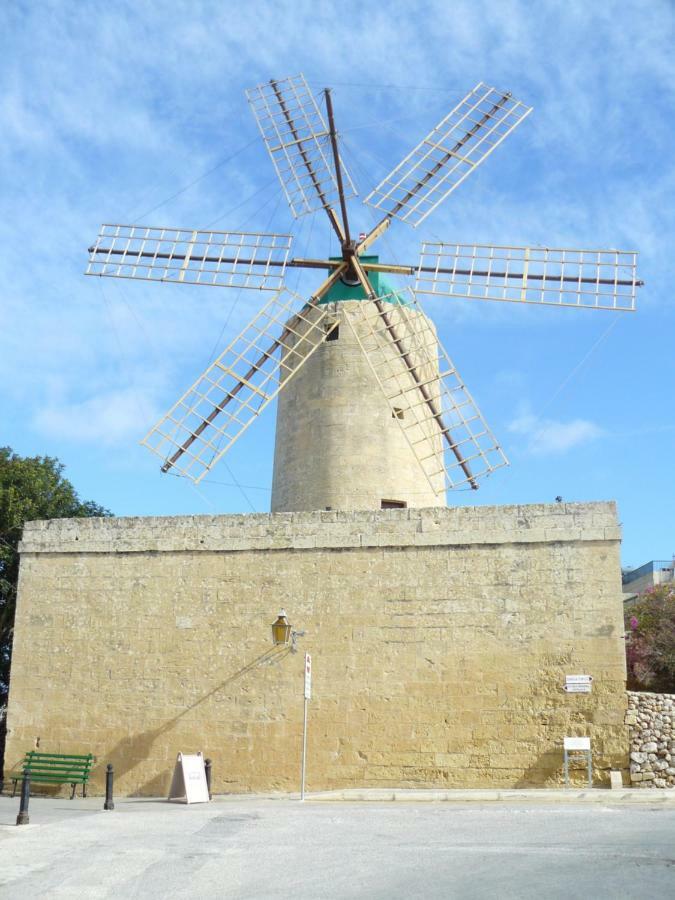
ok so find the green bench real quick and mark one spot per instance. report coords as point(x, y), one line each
point(56, 768)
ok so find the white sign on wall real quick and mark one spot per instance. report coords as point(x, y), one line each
point(577, 743)
point(578, 684)
point(189, 779)
point(308, 677)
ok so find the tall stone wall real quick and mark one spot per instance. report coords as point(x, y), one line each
point(651, 718)
point(440, 639)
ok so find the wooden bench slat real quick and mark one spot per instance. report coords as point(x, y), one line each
point(79, 763)
point(64, 776)
point(55, 779)
point(33, 754)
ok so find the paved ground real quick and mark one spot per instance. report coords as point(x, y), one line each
point(273, 848)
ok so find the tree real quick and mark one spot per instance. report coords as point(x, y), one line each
point(31, 487)
point(650, 641)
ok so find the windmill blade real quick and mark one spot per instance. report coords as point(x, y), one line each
point(298, 141)
point(237, 387)
point(216, 258)
point(448, 154)
point(435, 411)
point(592, 279)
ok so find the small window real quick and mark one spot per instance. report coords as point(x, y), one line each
point(393, 504)
point(334, 334)
point(397, 413)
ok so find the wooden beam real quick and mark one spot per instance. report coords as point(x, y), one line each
point(327, 284)
point(373, 235)
point(306, 160)
point(338, 166)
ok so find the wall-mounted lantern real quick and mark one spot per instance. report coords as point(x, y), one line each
point(283, 634)
point(281, 630)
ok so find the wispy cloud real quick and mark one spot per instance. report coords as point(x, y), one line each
point(548, 436)
point(105, 419)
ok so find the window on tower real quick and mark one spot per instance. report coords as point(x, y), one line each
point(393, 504)
point(332, 330)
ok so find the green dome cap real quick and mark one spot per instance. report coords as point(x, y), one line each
point(342, 291)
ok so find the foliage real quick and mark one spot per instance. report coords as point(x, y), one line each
point(650, 641)
point(30, 488)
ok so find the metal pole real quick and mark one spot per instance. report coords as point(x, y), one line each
point(109, 787)
point(22, 818)
point(207, 772)
point(304, 752)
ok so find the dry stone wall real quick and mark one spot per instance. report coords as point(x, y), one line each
point(651, 719)
point(440, 640)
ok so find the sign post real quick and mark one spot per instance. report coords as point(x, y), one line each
point(308, 695)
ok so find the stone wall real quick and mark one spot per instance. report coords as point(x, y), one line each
point(651, 721)
point(337, 445)
point(440, 639)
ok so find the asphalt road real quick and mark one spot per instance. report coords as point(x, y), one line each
point(260, 848)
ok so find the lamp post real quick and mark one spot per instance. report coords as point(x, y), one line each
point(283, 635)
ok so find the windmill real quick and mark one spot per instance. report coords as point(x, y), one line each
point(371, 410)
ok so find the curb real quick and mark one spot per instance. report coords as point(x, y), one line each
point(543, 795)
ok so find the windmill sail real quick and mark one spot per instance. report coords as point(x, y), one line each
point(439, 418)
point(595, 279)
point(448, 154)
point(202, 426)
point(298, 141)
point(216, 258)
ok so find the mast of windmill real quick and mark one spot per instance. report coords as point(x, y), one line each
point(371, 411)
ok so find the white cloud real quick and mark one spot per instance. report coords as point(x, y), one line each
point(548, 436)
point(105, 419)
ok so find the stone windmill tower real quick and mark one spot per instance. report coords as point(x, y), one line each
point(371, 411)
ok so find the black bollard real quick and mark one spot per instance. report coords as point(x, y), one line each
point(109, 788)
point(22, 818)
point(207, 770)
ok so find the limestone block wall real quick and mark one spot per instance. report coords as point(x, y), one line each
point(440, 641)
point(651, 718)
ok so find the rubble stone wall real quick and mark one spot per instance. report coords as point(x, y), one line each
point(651, 720)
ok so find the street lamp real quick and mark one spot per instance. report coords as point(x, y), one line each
point(283, 634)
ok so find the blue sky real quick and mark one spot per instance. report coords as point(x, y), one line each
point(135, 113)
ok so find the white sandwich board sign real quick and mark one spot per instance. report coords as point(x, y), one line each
point(189, 779)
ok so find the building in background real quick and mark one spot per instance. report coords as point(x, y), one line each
point(651, 574)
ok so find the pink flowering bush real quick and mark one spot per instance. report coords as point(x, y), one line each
point(650, 641)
